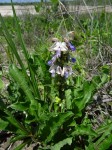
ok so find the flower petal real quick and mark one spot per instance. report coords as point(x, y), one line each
point(49, 62)
point(59, 46)
point(73, 60)
point(58, 70)
point(58, 53)
point(72, 47)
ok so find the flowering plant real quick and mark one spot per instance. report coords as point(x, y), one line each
point(59, 64)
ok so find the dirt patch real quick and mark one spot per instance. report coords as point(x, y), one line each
point(7, 10)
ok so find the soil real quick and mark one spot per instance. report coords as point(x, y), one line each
point(20, 10)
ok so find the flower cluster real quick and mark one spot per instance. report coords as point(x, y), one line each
point(59, 62)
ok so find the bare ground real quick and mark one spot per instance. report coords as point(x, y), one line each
point(7, 10)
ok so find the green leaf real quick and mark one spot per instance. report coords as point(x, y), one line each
point(104, 145)
point(68, 98)
point(60, 144)
point(104, 78)
point(3, 124)
point(87, 92)
point(25, 52)
point(19, 33)
point(18, 137)
point(105, 134)
point(105, 138)
point(20, 106)
point(79, 80)
point(21, 145)
point(99, 81)
point(105, 69)
point(96, 80)
point(103, 128)
point(53, 125)
point(90, 147)
point(11, 43)
point(19, 77)
point(2, 104)
point(84, 130)
point(15, 123)
point(43, 70)
point(1, 84)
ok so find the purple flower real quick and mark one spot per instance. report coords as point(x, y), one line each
point(66, 74)
point(58, 70)
point(58, 49)
point(54, 58)
point(58, 53)
point(73, 60)
point(59, 46)
point(72, 47)
point(67, 71)
point(53, 74)
point(52, 70)
point(49, 62)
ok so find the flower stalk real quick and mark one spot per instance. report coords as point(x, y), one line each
point(60, 63)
